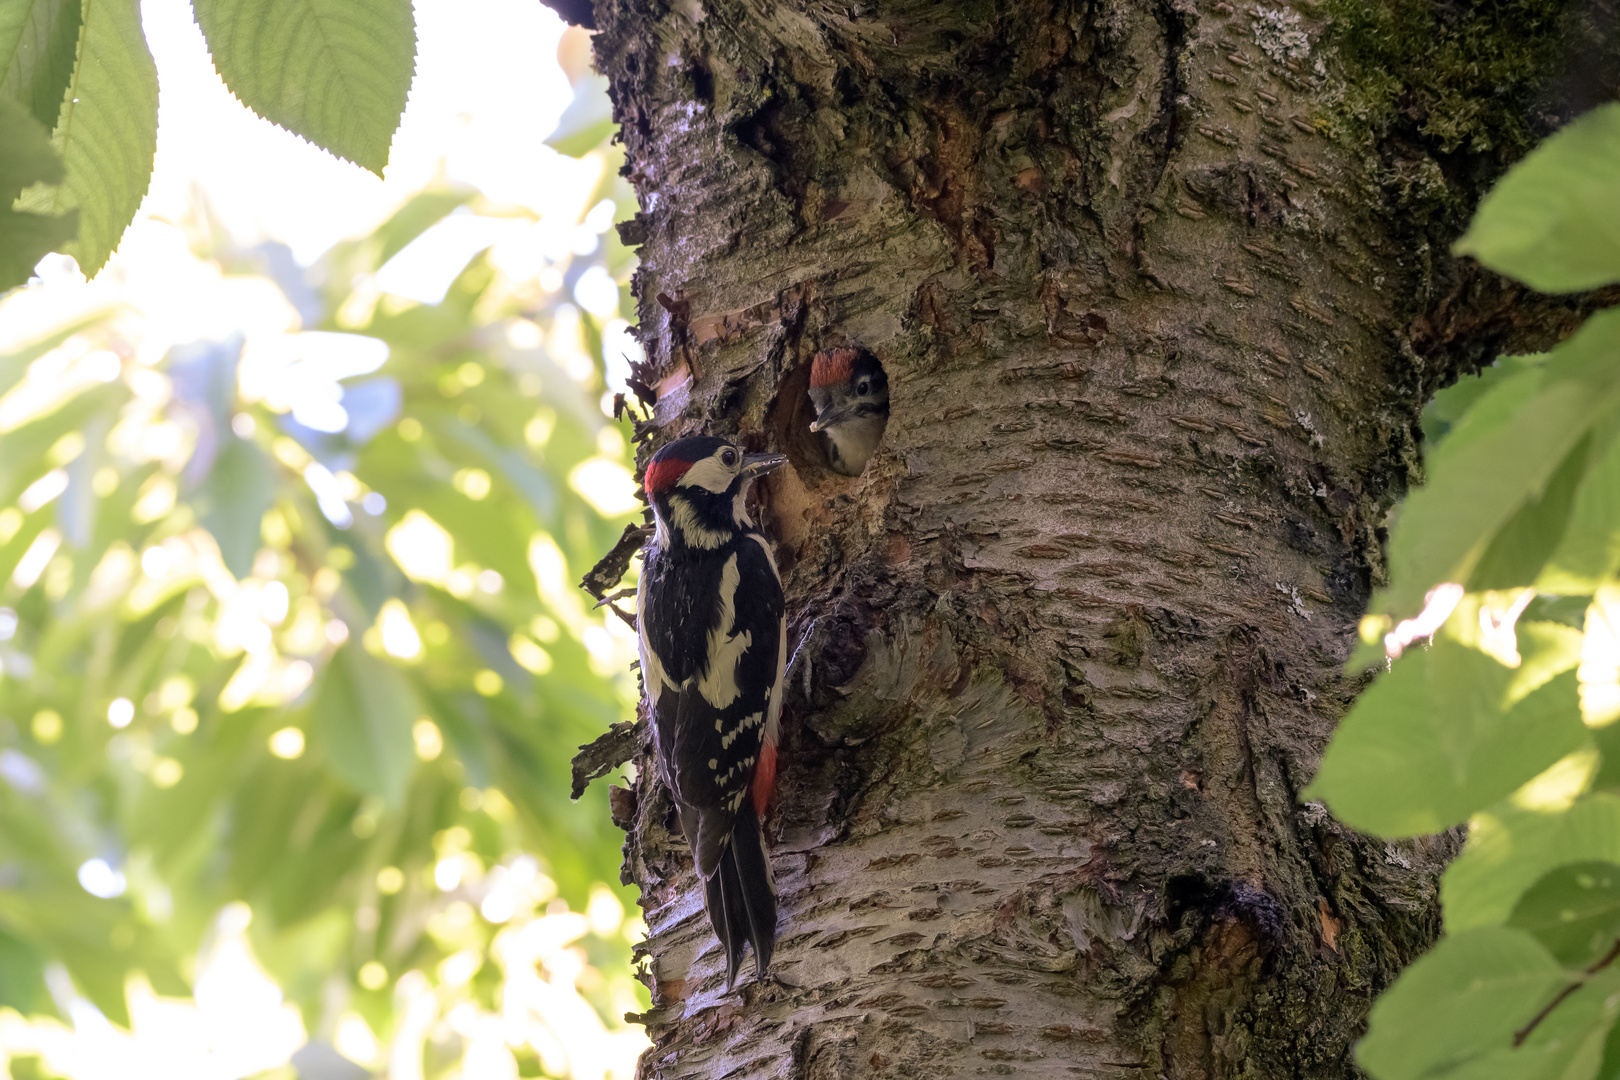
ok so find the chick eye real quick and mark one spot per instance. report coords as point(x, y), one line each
point(728, 458)
point(863, 388)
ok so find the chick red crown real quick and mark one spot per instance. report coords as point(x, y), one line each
point(833, 366)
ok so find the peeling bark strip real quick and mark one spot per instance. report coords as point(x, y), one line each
point(1072, 641)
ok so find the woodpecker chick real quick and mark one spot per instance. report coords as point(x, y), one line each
point(713, 638)
point(851, 396)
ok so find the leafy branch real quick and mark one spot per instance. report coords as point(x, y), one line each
point(1509, 720)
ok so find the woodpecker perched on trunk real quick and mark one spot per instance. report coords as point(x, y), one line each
point(851, 396)
point(713, 650)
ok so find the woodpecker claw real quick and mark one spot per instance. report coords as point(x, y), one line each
point(629, 618)
point(775, 978)
point(804, 639)
point(616, 594)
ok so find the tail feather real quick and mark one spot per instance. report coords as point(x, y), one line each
point(727, 914)
point(741, 899)
point(758, 888)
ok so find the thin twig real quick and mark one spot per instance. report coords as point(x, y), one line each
point(1608, 958)
point(617, 594)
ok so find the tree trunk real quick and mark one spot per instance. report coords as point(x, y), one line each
point(1159, 307)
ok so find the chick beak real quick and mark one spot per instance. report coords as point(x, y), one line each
point(829, 417)
point(760, 464)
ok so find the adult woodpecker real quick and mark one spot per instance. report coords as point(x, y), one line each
point(851, 396)
point(713, 650)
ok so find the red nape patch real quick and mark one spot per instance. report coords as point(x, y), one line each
point(764, 777)
point(832, 366)
point(663, 475)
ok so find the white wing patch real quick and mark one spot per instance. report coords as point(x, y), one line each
point(729, 737)
point(723, 780)
point(652, 669)
point(718, 683)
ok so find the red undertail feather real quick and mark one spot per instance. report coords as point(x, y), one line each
point(764, 777)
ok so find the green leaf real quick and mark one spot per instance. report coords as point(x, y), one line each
point(1464, 998)
point(27, 238)
point(1509, 849)
point(1574, 911)
point(1589, 551)
point(39, 42)
point(1450, 404)
point(587, 122)
point(1503, 452)
point(1440, 737)
point(365, 709)
point(420, 212)
point(1551, 221)
point(106, 133)
point(26, 445)
point(26, 158)
point(1521, 547)
point(334, 71)
point(1567, 1043)
point(1611, 1054)
point(233, 499)
point(14, 365)
point(22, 975)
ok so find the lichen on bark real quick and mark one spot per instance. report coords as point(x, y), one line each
point(1072, 643)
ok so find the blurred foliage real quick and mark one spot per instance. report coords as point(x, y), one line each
point(1508, 719)
point(289, 630)
point(337, 73)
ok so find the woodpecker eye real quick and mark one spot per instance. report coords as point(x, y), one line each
point(863, 388)
point(728, 458)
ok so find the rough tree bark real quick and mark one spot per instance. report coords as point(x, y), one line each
point(1159, 304)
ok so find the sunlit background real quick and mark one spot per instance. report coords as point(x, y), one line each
point(293, 501)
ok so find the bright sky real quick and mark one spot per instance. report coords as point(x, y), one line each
point(487, 92)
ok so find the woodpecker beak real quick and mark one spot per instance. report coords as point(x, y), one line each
point(830, 417)
point(760, 464)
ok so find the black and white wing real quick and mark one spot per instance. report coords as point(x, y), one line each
point(713, 686)
point(713, 642)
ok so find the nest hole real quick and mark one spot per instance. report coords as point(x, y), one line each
point(789, 419)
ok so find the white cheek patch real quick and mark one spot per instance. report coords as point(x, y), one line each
point(696, 534)
point(718, 683)
point(709, 475)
